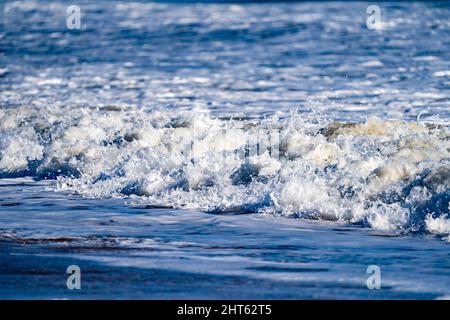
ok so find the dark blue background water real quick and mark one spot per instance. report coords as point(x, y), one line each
point(250, 58)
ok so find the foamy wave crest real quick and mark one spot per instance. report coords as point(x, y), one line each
point(389, 175)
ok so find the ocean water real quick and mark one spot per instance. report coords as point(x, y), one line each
point(225, 150)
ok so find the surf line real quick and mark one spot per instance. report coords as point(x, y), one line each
point(187, 310)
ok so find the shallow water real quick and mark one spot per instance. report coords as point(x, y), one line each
point(224, 150)
point(139, 252)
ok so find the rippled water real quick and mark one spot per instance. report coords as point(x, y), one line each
point(249, 59)
point(222, 150)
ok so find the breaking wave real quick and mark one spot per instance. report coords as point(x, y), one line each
point(389, 175)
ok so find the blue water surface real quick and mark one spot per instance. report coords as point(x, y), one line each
point(234, 59)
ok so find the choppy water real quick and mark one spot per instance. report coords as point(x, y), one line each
point(300, 146)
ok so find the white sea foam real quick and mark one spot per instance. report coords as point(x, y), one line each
point(439, 225)
point(389, 175)
point(442, 73)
